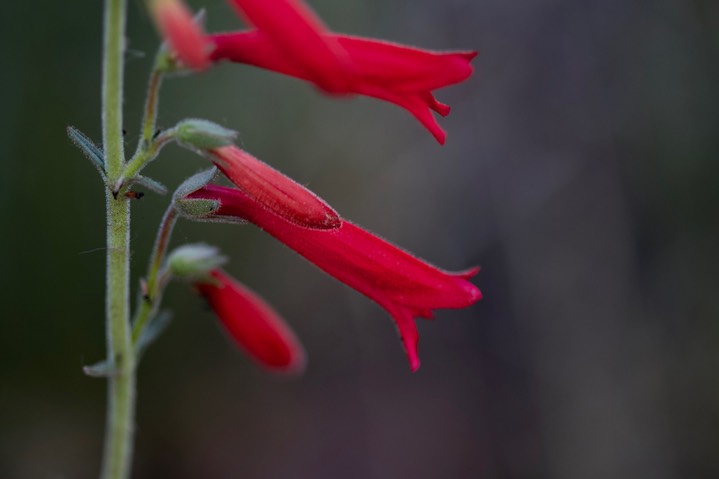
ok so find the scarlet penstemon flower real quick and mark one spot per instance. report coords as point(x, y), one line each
point(249, 320)
point(252, 323)
point(290, 39)
point(402, 284)
point(399, 74)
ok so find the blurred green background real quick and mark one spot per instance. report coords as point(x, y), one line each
point(581, 172)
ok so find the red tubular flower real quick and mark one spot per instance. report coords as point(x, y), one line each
point(395, 73)
point(404, 285)
point(253, 324)
point(295, 30)
point(273, 190)
point(186, 39)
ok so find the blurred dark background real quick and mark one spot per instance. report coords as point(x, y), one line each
point(581, 172)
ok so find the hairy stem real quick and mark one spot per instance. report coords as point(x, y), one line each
point(149, 144)
point(120, 353)
point(146, 152)
point(153, 294)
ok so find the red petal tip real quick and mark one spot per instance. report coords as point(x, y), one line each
point(437, 132)
point(468, 273)
point(414, 364)
point(443, 109)
point(296, 366)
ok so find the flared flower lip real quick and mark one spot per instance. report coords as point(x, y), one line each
point(388, 71)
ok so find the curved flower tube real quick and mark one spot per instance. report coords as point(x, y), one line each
point(387, 71)
point(294, 29)
point(253, 324)
point(402, 284)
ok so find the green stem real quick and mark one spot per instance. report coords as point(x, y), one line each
point(143, 156)
point(120, 353)
point(148, 146)
point(150, 116)
point(155, 285)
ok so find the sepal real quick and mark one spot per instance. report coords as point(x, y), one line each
point(194, 261)
point(194, 183)
point(164, 61)
point(197, 209)
point(198, 134)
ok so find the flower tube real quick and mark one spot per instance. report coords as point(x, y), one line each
point(294, 29)
point(399, 74)
point(402, 284)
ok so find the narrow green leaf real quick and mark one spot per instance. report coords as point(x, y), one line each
point(91, 151)
point(102, 369)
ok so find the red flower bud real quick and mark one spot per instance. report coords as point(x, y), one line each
point(253, 324)
point(273, 190)
point(186, 39)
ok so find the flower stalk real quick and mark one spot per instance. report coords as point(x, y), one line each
point(150, 116)
point(146, 153)
point(151, 141)
point(152, 294)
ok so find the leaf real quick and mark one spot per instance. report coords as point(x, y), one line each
point(102, 369)
point(91, 151)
